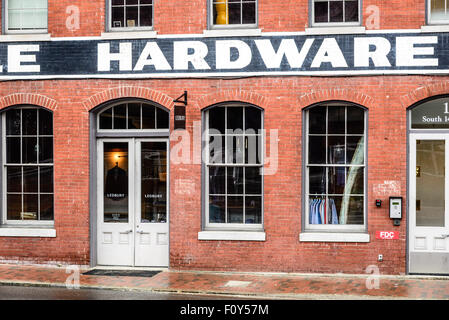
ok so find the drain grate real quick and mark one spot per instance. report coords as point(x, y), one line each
point(121, 273)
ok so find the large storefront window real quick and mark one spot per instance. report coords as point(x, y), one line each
point(335, 175)
point(234, 187)
point(28, 164)
point(227, 13)
point(335, 11)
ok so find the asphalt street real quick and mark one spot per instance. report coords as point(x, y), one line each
point(46, 293)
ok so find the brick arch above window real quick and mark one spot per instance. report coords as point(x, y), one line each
point(28, 98)
point(232, 95)
point(128, 92)
point(424, 92)
point(332, 94)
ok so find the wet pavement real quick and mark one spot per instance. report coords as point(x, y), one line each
point(261, 285)
point(46, 293)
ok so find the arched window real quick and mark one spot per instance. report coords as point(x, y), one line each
point(335, 167)
point(233, 179)
point(28, 164)
point(133, 116)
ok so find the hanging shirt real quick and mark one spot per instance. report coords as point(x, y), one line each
point(334, 216)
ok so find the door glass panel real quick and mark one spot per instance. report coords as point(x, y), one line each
point(115, 182)
point(154, 182)
point(430, 176)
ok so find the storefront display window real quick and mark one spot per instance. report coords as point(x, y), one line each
point(26, 15)
point(133, 116)
point(234, 184)
point(335, 170)
point(131, 14)
point(28, 165)
point(233, 12)
point(335, 11)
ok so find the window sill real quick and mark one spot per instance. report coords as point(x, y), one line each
point(128, 35)
point(232, 32)
point(25, 37)
point(333, 237)
point(41, 232)
point(335, 30)
point(232, 235)
point(435, 28)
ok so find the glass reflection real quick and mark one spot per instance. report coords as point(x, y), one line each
point(115, 182)
point(430, 183)
point(217, 209)
point(235, 209)
point(154, 182)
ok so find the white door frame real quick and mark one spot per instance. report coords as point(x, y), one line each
point(134, 206)
point(424, 255)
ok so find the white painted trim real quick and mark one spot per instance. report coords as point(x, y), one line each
point(232, 33)
point(435, 28)
point(333, 237)
point(27, 232)
point(25, 37)
point(232, 235)
point(207, 75)
point(124, 35)
point(206, 34)
point(335, 30)
point(384, 31)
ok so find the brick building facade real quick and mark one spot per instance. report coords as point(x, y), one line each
point(281, 235)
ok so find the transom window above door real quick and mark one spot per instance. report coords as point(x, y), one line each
point(133, 116)
point(130, 14)
point(332, 12)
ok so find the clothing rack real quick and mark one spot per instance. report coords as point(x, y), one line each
point(322, 211)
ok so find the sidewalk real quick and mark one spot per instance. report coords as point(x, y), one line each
point(256, 285)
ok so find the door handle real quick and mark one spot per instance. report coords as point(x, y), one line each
point(129, 231)
point(139, 231)
point(445, 236)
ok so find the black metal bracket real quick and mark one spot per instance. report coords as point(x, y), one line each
point(184, 101)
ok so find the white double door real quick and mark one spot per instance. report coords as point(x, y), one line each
point(429, 204)
point(133, 202)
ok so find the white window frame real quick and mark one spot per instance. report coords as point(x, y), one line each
point(212, 25)
point(118, 29)
point(429, 14)
point(5, 221)
point(332, 227)
point(231, 226)
point(27, 31)
point(331, 24)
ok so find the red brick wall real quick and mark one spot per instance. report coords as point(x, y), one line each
point(283, 99)
point(180, 17)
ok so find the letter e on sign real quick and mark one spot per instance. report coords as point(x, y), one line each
point(387, 235)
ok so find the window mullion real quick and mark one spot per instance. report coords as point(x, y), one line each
point(37, 167)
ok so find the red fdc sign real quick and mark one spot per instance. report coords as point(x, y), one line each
point(387, 235)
